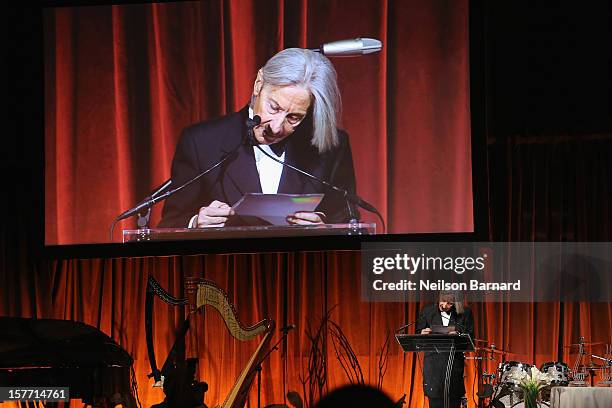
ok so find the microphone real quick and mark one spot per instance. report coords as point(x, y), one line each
point(157, 196)
point(350, 48)
point(163, 187)
point(161, 193)
point(154, 200)
point(250, 124)
point(409, 324)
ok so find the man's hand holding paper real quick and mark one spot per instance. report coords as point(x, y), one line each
point(281, 209)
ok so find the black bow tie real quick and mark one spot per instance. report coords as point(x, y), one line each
point(279, 148)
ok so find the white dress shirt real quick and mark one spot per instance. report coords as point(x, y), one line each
point(269, 172)
point(445, 318)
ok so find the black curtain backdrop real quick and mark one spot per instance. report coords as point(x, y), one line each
point(549, 147)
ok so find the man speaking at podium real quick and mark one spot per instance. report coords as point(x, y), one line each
point(297, 98)
point(449, 313)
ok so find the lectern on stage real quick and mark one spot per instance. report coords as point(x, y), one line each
point(437, 343)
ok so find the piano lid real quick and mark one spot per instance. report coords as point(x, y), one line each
point(31, 343)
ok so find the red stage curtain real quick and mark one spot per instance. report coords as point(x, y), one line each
point(541, 188)
point(291, 288)
point(122, 81)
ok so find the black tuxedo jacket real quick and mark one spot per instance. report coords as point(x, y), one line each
point(434, 366)
point(204, 144)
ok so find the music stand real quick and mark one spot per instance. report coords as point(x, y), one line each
point(437, 343)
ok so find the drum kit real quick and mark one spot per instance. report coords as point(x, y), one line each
point(497, 389)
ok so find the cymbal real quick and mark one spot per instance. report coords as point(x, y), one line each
point(481, 341)
point(596, 343)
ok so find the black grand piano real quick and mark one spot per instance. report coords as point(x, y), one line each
point(64, 353)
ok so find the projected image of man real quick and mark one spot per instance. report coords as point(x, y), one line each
point(297, 98)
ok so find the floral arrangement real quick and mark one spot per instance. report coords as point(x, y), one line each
point(531, 383)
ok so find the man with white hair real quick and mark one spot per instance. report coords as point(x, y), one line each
point(296, 96)
point(451, 313)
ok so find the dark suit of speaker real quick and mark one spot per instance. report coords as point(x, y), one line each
point(434, 365)
point(204, 144)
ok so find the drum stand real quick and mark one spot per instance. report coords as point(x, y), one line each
point(485, 388)
point(607, 368)
point(579, 372)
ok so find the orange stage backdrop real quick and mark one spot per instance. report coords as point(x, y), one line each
point(291, 288)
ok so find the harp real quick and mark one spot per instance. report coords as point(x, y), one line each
point(201, 293)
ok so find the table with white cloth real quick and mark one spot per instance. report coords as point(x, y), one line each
point(581, 397)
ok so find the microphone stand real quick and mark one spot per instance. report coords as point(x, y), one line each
point(405, 326)
point(161, 193)
point(409, 324)
point(285, 331)
point(146, 204)
point(349, 197)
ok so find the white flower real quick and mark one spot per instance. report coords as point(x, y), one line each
point(531, 378)
point(554, 374)
point(517, 376)
point(537, 379)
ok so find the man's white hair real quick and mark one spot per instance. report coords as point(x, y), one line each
point(315, 73)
